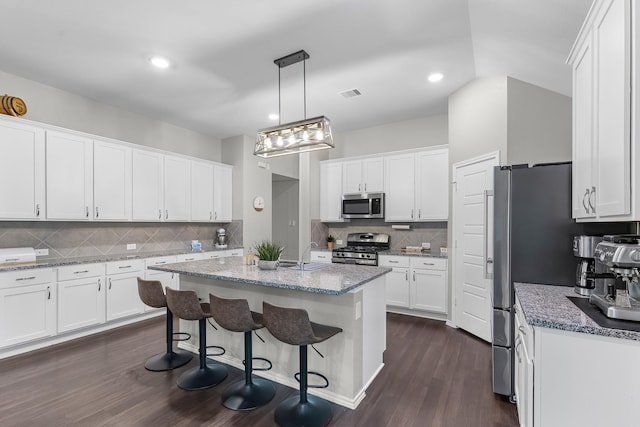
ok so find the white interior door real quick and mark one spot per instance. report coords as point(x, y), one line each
point(473, 244)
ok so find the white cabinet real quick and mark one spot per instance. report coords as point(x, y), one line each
point(366, 175)
point(432, 185)
point(417, 283)
point(81, 296)
point(417, 186)
point(331, 192)
point(320, 256)
point(111, 182)
point(523, 368)
point(22, 171)
point(122, 288)
point(27, 306)
point(177, 181)
point(69, 177)
point(147, 185)
point(201, 191)
point(601, 61)
point(397, 289)
point(222, 193)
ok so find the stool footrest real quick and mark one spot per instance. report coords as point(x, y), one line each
point(181, 336)
point(317, 374)
point(217, 347)
point(262, 359)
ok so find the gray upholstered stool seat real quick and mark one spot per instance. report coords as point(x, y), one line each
point(186, 306)
point(151, 294)
point(234, 315)
point(292, 326)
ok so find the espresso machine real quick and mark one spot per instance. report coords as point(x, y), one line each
point(620, 255)
point(586, 275)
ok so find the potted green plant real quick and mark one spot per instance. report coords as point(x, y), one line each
point(268, 255)
point(330, 241)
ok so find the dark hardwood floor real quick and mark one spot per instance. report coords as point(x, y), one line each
point(433, 376)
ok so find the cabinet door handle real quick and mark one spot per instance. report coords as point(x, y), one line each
point(210, 216)
point(428, 263)
point(20, 279)
point(419, 213)
point(322, 257)
point(97, 212)
point(81, 272)
point(592, 205)
point(124, 266)
point(393, 262)
point(215, 215)
point(411, 213)
point(586, 194)
point(523, 330)
point(38, 210)
point(189, 259)
point(359, 187)
point(48, 292)
point(86, 211)
point(109, 283)
point(159, 213)
point(365, 186)
point(160, 262)
point(99, 285)
point(406, 275)
point(414, 276)
point(166, 214)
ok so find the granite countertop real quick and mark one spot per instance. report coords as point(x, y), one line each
point(547, 306)
point(59, 262)
point(333, 279)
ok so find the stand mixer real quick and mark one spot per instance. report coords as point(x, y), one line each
point(620, 254)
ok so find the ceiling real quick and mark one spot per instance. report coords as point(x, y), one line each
point(223, 81)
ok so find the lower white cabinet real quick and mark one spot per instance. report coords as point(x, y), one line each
point(27, 306)
point(523, 368)
point(416, 283)
point(81, 296)
point(122, 289)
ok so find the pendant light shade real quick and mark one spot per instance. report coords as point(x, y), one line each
point(296, 137)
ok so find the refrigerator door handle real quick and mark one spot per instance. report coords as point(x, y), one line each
point(487, 259)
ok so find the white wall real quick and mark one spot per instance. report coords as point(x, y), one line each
point(422, 132)
point(53, 106)
point(539, 124)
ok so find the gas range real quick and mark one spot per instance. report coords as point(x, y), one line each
point(361, 249)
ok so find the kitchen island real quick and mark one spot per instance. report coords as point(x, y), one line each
point(569, 370)
point(351, 297)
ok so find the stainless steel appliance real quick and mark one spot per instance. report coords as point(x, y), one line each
point(221, 238)
point(533, 240)
point(586, 276)
point(620, 254)
point(362, 248)
point(363, 205)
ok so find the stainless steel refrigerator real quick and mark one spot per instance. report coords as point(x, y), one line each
point(533, 243)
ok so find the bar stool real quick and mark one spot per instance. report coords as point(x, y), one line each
point(151, 294)
point(292, 326)
point(235, 315)
point(185, 305)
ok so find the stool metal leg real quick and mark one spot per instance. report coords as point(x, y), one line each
point(252, 392)
point(170, 359)
point(208, 374)
point(305, 410)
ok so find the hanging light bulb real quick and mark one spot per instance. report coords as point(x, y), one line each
point(305, 134)
point(280, 142)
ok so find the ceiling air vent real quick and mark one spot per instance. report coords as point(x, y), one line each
point(350, 93)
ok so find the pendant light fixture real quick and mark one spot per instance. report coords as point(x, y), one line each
point(296, 137)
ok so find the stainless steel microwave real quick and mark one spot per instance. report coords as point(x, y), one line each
point(363, 205)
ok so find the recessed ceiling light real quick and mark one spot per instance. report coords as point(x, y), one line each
point(160, 62)
point(435, 77)
point(273, 116)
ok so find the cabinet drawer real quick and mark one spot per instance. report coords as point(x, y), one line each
point(235, 252)
point(80, 271)
point(160, 260)
point(26, 277)
point(429, 263)
point(393, 261)
point(125, 266)
point(189, 257)
point(320, 256)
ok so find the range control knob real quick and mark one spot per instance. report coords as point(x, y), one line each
point(635, 255)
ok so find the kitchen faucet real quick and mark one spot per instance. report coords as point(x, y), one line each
point(308, 248)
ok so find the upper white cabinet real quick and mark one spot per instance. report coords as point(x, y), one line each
point(22, 171)
point(602, 109)
point(147, 185)
point(400, 187)
point(360, 176)
point(432, 185)
point(331, 192)
point(201, 191)
point(177, 180)
point(69, 177)
point(222, 193)
point(111, 181)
